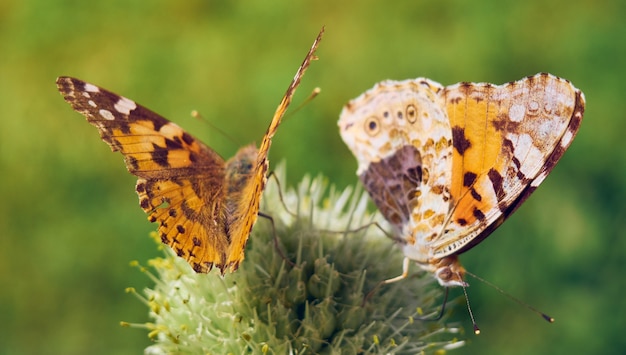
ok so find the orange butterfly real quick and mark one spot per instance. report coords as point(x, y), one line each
point(205, 206)
point(446, 165)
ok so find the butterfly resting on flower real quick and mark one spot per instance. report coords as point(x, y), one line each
point(205, 206)
point(446, 165)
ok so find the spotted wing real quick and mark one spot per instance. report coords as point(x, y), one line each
point(180, 181)
point(506, 140)
point(400, 136)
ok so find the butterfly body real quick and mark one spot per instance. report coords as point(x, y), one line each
point(205, 206)
point(446, 165)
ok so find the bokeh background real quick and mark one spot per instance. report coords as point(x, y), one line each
point(69, 217)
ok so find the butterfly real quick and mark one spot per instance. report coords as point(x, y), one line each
point(205, 206)
point(446, 165)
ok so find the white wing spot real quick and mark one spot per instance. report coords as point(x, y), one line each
point(124, 105)
point(86, 94)
point(517, 112)
point(107, 115)
point(539, 179)
point(171, 130)
point(91, 103)
point(533, 154)
point(567, 139)
point(91, 88)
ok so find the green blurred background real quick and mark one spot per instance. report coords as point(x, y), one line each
point(69, 216)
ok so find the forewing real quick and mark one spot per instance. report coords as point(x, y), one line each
point(246, 171)
point(180, 179)
point(506, 140)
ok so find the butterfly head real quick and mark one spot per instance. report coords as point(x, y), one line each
point(448, 271)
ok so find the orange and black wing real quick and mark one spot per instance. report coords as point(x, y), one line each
point(246, 171)
point(180, 183)
point(506, 140)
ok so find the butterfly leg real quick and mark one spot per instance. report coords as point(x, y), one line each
point(404, 275)
point(405, 272)
point(271, 174)
point(358, 229)
point(443, 307)
point(275, 236)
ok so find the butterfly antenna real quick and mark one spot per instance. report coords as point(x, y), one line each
point(271, 174)
point(372, 292)
point(306, 101)
point(195, 114)
point(275, 236)
point(469, 308)
point(520, 302)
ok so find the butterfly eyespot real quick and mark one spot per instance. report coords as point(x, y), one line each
point(549, 107)
point(386, 114)
point(533, 108)
point(411, 113)
point(400, 114)
point(372, 126)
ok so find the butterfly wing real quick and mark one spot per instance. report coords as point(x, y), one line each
point(400, 136)
point(180, 179)
point(205, 207)
point(506, 140)
point(246, 171)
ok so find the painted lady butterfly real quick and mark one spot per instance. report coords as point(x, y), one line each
point(205, 206)
point(447, 165)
